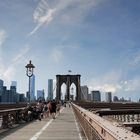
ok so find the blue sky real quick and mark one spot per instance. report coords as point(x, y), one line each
point(99, 39)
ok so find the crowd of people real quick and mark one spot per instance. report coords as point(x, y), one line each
point(44, 109)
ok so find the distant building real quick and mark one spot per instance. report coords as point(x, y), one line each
point(50, 89)
point(108, 96)
point(32, 88)
point(96, 96)
point(1, 85)
point(1, 89)
point(115, 99)
point(4, 96)
point(84, 92)
point(40, 95)
point(22, 98)
point(13, 94)
point(14, 83)
point(89, 96)
point(9, 95)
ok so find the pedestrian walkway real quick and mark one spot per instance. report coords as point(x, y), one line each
point(64, 127)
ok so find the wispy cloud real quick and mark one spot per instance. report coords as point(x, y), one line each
point(21, 54)
point(7, 73)
point(42, 15)
point(67, 9)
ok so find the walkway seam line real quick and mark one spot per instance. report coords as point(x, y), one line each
point(40, 132)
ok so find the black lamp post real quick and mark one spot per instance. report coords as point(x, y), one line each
point(29, 72)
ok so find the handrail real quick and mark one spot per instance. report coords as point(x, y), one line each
point(10, 110)
point(103, 128)
point(17, 105)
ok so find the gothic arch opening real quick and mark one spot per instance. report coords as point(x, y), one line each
point(72, 92)
point(63, 91)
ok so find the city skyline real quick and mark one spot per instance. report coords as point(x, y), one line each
point(98, 39)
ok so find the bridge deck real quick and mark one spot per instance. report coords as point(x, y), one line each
point(64, 127)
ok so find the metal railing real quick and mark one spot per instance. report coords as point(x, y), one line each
point(97, 128)
point(10, 117)
point(11, 114)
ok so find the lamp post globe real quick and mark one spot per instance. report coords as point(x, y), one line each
point(29, 69)
point(29, 72)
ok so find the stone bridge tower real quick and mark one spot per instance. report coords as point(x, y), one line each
point(68, 80)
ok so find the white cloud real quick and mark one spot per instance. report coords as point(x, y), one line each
point(112, 82)
point(106, 83)
point(106, 87)
point(110, 88)
point(42, 15)
point(69, 10)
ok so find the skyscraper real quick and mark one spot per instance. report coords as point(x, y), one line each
point(32, 88)
point(84, 92)
point(13, 87)
point(108, 97)
point(40, 95)
point(14, 83)
point(1, 84)
point(1, 89)
point(96, 95)
point(50, 89)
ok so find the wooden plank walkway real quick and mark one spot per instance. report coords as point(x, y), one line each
point(64, 127)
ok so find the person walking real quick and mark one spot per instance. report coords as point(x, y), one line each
point(58, 107)
point(45, 110)
point(53, 108)
point(39, 109)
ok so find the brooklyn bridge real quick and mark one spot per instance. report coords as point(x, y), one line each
point(77, 120)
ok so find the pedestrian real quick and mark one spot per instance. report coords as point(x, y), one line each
point(39, 109)
point(45, 110)
point(53, 108)
point(58, 107)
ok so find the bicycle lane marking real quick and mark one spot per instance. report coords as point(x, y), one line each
point(36, 136)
